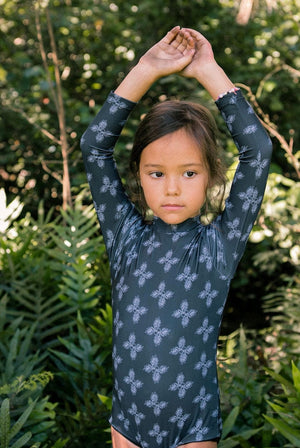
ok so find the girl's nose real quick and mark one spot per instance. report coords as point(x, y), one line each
point(172, 186)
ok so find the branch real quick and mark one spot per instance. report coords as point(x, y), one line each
point(56, 93)
point(44, 55)
point(67, 198)
point(33, 123)
point(52, 173)
point(293, 71)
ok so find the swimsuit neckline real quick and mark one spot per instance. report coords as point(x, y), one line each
point(184, 226)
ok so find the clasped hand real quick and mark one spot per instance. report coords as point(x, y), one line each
point(182, 51)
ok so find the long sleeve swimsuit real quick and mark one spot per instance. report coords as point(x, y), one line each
point(170, 284)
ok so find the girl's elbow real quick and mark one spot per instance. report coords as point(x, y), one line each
point(268, 147)
point(84, 145)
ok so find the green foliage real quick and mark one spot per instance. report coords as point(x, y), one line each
point(271, 280)
point(47, 270)
point(84, 372)
point(7, 432)
point(26, 414)
point(74, 248)
point(84, 359)
point(243, 392)
point(279, 224)
point(287, 406)
point(278, 259)
point(27, 280)
point(38, 312)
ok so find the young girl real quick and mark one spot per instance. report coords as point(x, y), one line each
point(170, 278)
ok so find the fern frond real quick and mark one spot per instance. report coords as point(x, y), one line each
point(22, 440)
point(21, 421)
point(4, 423)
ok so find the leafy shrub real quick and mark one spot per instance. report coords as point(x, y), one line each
point(286, 405)
point(84, 374)
point(26, 413)
point(49, 269)
point(244, 391)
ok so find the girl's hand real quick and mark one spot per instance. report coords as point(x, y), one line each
point(170, 55)
point(203, 66)
point(203, 58)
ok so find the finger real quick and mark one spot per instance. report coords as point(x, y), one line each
point(186, 58)
point(171, 35)
point(195, 34)
point(192, 31)
point(178, 40)
point(186, 42)
point(188, 39)
point(183, 42)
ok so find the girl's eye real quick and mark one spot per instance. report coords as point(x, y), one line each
point(156, 174)
point(189, 174)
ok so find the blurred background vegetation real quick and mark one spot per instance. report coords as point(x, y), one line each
point(58, 61)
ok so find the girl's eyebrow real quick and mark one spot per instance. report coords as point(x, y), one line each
point(152, 165)
point(185, 165)
point(192, 164)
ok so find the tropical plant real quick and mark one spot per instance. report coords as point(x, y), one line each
point(244, 390)
point(26, 413)
point(286, 406)
point(84, 373)
point(49, 271)
point(282, 259)
point(27, 281)
point(76, 246)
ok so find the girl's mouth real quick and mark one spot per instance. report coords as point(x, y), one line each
point(172, 207)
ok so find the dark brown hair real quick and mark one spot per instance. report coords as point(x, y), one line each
point(170, 116)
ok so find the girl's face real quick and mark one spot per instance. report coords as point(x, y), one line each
point(174, 177)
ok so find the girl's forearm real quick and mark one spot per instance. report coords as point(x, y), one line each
point(137, 82)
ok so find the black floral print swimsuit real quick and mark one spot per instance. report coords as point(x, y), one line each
point(170, 284)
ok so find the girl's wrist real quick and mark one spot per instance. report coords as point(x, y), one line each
point(146, 72)
point(213, 78)
point(202, 71)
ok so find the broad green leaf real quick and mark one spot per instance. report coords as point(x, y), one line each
point(107, 401)
point(291, 434)
point(68, 359)
point(230, 421)
point(296, 378)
